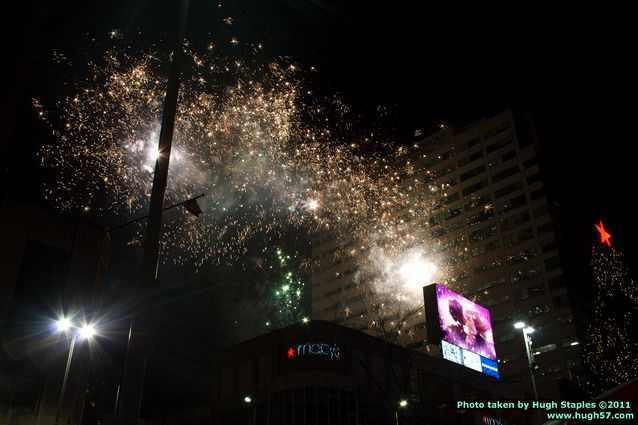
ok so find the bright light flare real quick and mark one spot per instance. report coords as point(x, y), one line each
point(87, 331)
point(519, 325)
point(312, 205)
point(63, 324)
point(153, 154)
point(417, 272)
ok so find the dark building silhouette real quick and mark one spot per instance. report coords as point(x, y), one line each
point(49, 266)
point(322, 373)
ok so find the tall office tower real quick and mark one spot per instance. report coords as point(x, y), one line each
point(492, 235)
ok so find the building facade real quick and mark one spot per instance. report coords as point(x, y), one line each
point(493, 234)
point(323, 373)
point(49, 266)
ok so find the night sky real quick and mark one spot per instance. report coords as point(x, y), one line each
point(401, 67)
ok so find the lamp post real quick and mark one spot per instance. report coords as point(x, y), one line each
point(402, 403)
point(527, 339)
point(87, 331)
point(249, 400)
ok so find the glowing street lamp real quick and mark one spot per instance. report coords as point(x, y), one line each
point(85, 332)
point(402, 403)
point(248, 400)
point(63, 324)
point(527, 339)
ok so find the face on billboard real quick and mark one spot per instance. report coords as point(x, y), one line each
point(464, 323)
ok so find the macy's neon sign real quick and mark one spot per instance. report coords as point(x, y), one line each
point(315, 349)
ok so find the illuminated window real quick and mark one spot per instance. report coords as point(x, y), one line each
point(570, 342)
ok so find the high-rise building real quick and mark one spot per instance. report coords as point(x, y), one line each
point(495, 237)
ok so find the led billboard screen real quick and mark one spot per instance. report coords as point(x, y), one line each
point(463, 328)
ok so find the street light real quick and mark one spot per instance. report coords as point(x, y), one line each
point(249, 400)
point(63, 324)
point(86, 332)
point(402, 403)
point(527, 339)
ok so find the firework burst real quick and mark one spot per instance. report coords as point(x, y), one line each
point(260, 145)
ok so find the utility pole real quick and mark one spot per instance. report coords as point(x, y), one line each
point(150, 257)
point(136, 359)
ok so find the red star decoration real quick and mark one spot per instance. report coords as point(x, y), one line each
point(604, 236)
point(291, 352)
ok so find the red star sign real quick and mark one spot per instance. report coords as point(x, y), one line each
point(291, 352)
point(604, 236)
